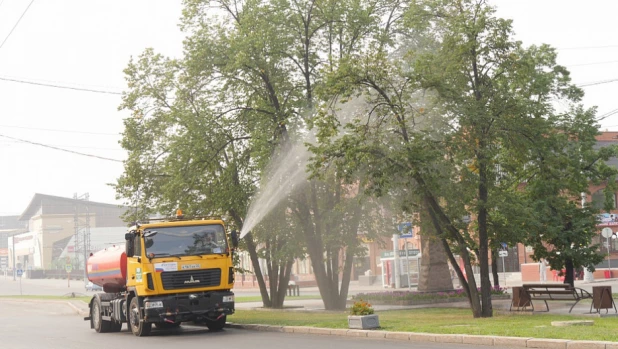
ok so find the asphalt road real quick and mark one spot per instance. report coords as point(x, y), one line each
point(52, 325)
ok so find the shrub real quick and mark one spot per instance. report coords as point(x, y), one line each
point(361, 307)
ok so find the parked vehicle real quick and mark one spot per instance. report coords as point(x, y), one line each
point(93, 287)
point(169, 271)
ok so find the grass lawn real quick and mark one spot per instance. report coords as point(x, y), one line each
point(447, 321)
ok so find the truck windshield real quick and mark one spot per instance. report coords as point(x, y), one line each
point(185, 240)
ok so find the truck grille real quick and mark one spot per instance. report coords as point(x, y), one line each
point(191, 278)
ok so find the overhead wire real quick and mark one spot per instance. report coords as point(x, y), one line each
point(16, 23)
point(606, 115)
point(56, 130)
point(592, 63)
point(597, 83)
point(60, 149)
point(59, 86)
point(587, 47)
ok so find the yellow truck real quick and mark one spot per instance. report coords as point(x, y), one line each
point(169, 271)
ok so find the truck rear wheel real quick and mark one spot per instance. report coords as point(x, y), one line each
point(96, 315)
point(216, 325)
point(138, 327)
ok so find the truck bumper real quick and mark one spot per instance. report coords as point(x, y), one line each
point(188, 307)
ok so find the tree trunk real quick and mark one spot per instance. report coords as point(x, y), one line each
point(256, 269)
point(483, 236)
point(466, 280)
point(569, 277)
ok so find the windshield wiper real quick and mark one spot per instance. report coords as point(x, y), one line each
point(163, 254)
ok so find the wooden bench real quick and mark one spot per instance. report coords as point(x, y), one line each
point(551, 292)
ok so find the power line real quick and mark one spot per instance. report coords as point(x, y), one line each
point(597, 83)
point(16, 23)
point(56, 130)
point(593, 63)
point(606, 115)
point(59, 86)
point(587, 47)
point(64, 150)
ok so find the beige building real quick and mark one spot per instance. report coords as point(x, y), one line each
point(61, 231)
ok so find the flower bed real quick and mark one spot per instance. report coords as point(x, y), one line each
point(415, 297)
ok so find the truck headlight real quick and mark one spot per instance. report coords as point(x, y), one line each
point(150, 305)
point(228, 299)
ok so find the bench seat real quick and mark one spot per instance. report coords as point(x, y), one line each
point(553, 292)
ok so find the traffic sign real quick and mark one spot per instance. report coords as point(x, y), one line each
point(405, 230)
point(19, 272)
point(68, 268)
point(607, 232)
point(503, 253)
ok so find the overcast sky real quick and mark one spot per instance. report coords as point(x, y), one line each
point(86, 45)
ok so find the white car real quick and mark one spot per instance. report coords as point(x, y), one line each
point(92, 287)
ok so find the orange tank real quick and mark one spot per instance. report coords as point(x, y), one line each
point(108, 269)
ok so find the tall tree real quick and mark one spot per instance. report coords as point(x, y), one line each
point(457, 117)
point(205, 126)
point(563, 225)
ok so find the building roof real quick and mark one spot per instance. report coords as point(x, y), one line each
point(12, 223)
point(42, 200)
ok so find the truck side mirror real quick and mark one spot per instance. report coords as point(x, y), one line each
point(234, 236)
point(130, 245)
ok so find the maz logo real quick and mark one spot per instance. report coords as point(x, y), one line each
point(191, 281)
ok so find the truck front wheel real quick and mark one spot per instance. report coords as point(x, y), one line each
point(138, 327)
point(216, 325)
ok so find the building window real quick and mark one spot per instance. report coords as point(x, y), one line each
point(598, 199)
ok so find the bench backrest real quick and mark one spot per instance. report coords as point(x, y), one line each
point(548, 286)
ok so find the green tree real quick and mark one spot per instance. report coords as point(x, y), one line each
point(454, 118)
point(561, 227)
point(206, 125)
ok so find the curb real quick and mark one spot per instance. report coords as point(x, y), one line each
point(497, 341)
point(77, 309)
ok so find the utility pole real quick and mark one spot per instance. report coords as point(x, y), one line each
point(82, 232)
point(14, 268)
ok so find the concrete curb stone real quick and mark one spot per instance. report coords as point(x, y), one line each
point(588, 345)
point(398, 335)
point(511, 341)
point(449, 338)
point(477, 340)
point(547, 343)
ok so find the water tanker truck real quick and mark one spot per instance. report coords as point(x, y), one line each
point(169, 271)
